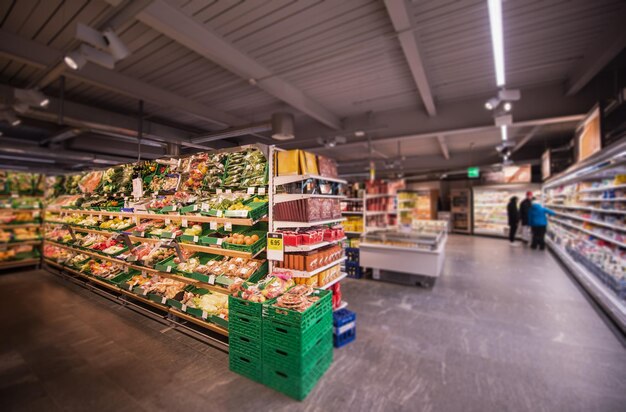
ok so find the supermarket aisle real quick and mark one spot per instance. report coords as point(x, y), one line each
point(503, 329)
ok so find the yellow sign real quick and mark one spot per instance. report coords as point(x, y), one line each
point(275, 246)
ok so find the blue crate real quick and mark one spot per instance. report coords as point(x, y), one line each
point(354, 272)
point(344, 327)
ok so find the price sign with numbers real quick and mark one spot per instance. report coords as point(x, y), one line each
point(275, 247)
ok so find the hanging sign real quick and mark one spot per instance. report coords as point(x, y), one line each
point(275, 247)
point(473, 172)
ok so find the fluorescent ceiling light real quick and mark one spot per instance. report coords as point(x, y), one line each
point(504, 132)
point(497, 38)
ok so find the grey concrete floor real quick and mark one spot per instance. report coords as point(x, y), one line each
point(504, 329)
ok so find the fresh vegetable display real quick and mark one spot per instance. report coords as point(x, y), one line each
point(246, 169)
point(297, 298)
point(102, 269)
point(212, 303)
point(89, 182)
point(168, 288)
point(264, 290)
point(241, 239)
point(116, 223)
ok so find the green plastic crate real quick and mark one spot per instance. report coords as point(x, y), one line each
point(244, 344)
point(239, 305)
point(167, 265)
point(204, 258)
point(294, 360)
point(246, 365)
point(286, 336)
point(290, 383)
point(253, 248)
point(304, 319)
point(245, 324)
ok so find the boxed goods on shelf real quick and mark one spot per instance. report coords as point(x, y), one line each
point(308, 210)
point(295, 162)
point(309, 261)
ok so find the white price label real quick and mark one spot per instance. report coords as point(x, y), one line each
point(228, 227)
point(219, 213)
point(195, 208)
point(168, 269)
point(213, 225)
point(275, 247)
point(218, 191)
point(204, 314)
point(168, 221)
point(250, 190)
point(261, 191)
point(174, 208)
point(219, 241)
point(164, 300)
point(184, 223)
point(196, 239)
point(204, 207)
point(229, 191)
point(99, 217)
point(212, 280)
point(183, 308)
point(145, 292)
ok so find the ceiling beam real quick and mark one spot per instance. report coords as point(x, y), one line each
point(63, 135)
point(36, 54)
point(540, 105)
point(527, 138)
point(610, 44)
point(404, 23)
point(175, 24)
point(444, 147)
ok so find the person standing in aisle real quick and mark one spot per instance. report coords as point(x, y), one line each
point(523, 215)
point(513, 214)
point(538, 222)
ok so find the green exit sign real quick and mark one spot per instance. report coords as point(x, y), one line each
point(473, 172)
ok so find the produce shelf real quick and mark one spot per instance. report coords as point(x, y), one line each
point(5, 226)
point(305, 274)
point(173, 311)
point(378, 196)
point(21, 242)
point(308, 248)
point(332, 282)
point(19, 263)
point(286, 224)
point(159, 216)
point(287, 197)
point(186, 246)
point(143, 269)
point(283, 180)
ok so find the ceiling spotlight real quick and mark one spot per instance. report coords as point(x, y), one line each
point(75, 60)
point(16, 122)
point(359, 133)
point(30, 97)
point(492, 103)
point(507, 106)
point(504, 132)
point(44, 103)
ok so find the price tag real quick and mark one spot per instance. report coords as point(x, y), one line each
point(219, 213)
point(137, 188)
point(195, 208)
point(229, 191)
point(228, 227)
point(184, 223)
point(145, 292)
point(168, 221)
point(168, 269)
point(212, 280)
point(205, 207)
point(204, 314)
point(164, 300)
point(174, 208)
point(196, 239)
point(183, 308)
point(250, 190)
point(218, 191)
point(219, 241)
point(99, 217)
point(275, 247)
point(144, 273)
point(213, 225)
point(261, 191)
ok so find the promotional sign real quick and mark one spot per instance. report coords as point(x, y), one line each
point(275, 247)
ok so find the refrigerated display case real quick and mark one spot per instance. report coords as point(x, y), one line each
point(588, 232)
point(490, 205)
point(461, 208)
point(410, 257)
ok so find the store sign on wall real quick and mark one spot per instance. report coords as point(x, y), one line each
point(473, 172)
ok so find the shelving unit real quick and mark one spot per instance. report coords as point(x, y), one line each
point(461, 209)
point(20, 250)
point(594, 251)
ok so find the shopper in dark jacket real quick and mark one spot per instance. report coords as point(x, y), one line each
point(538, 222)
point(523, 215)
point(513, 213)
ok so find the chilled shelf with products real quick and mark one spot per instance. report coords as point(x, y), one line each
point(588, 231)
point(20, 218)
point(490, 206)
point(461, 209)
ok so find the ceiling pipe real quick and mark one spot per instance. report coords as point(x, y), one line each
point(31, 151)
point(233, 132)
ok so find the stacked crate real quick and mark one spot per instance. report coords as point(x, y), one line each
point(245, 331)
point(344, 331)
point(297, 347)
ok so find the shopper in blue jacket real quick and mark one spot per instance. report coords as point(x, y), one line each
point(538, 222)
